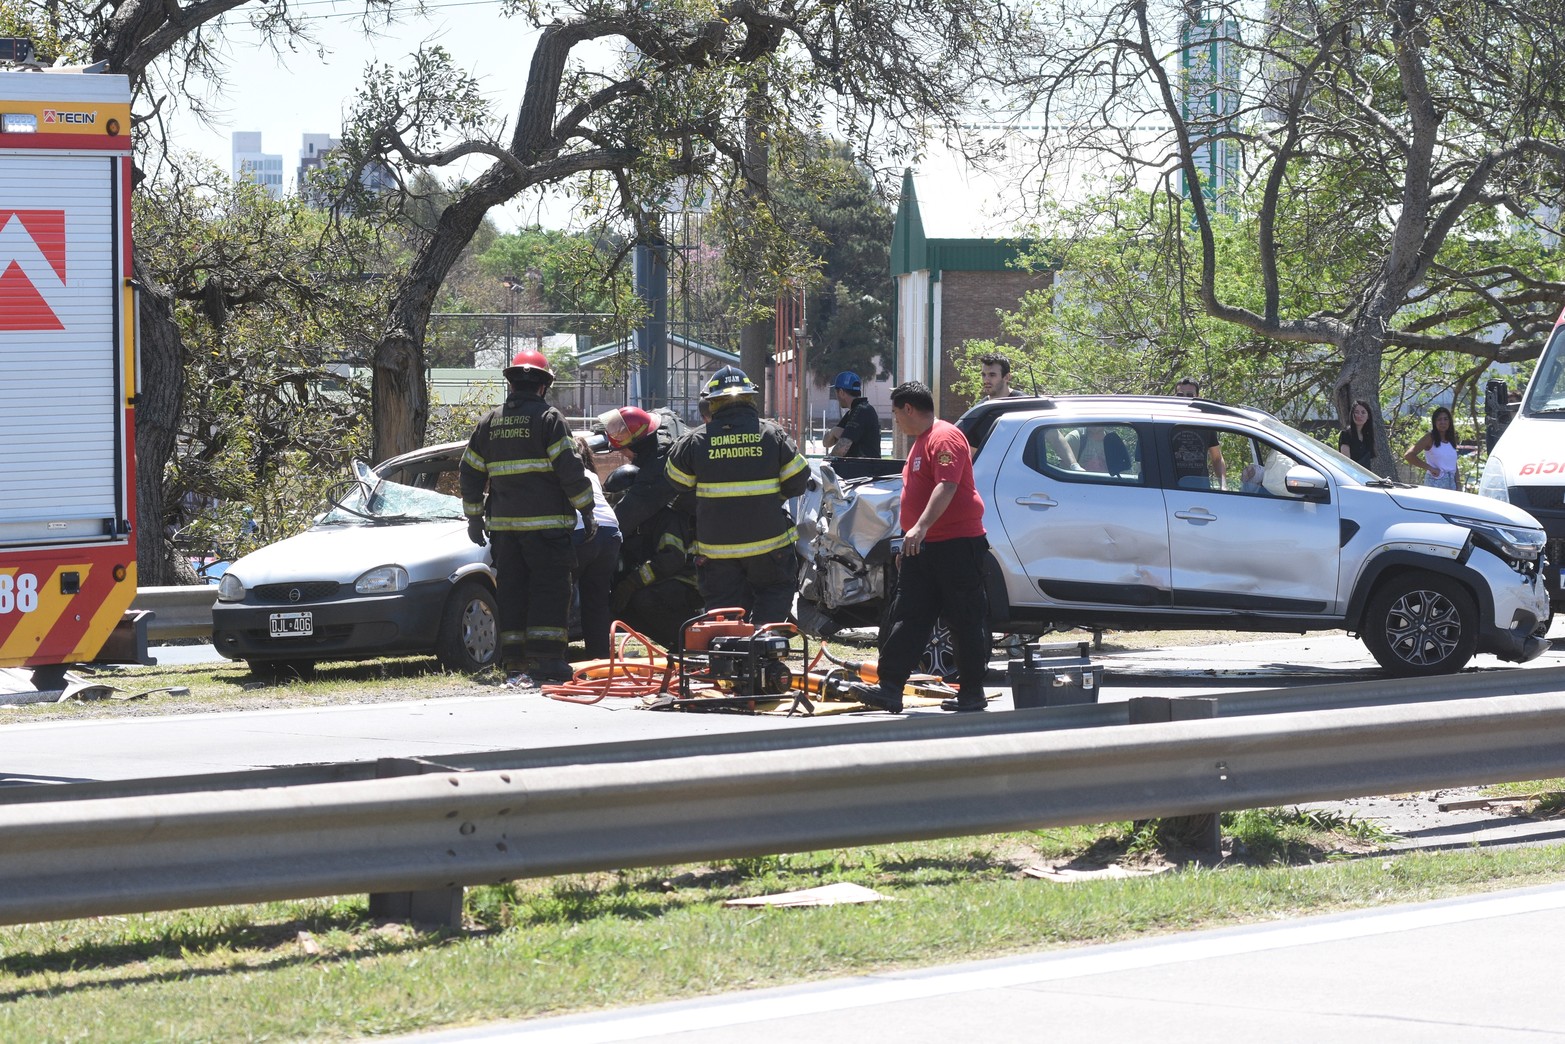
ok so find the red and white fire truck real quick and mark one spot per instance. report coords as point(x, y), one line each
point(68, 373)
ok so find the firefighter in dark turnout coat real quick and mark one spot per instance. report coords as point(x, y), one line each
point(743, 469)
point(524, 454)
point(657, 591)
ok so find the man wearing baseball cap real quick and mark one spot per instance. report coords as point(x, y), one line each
point(857, 434)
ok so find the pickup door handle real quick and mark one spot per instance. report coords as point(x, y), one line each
point(1038, 500)
point(1199, 514)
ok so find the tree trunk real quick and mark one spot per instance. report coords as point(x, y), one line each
point(399, 393)
point(158, 404)
point(1359, 378)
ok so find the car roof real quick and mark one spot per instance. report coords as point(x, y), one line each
point(977, 422)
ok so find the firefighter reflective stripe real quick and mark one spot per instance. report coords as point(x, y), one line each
point(582, 502)
point(738, 489)
point(520, 467)
point(556, 449)
point(547, 634)
point(472, 509)
point(679, 477)
point(793, 467)
point(758, 547)
point(527, 523)
point(471, 458)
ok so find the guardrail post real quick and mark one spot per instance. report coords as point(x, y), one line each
point(1200, 833)
point(431, 907)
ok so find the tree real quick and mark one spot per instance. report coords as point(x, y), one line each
point(847, 225)
point(693, 82)
point(1117, 318)
point(1401, 168)
point(262, 296)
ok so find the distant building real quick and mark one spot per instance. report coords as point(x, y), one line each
point(315, 153)
point(1210, 58)
point(950, 291)
point(251, 164)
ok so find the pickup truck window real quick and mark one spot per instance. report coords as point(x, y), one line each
point(1098, 453)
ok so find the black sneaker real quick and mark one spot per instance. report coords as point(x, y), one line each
point(871, 696)
point(962, 708)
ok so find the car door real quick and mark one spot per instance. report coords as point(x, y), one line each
point(1084, 516)
point(1245, 545)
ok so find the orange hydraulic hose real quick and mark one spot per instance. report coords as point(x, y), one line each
point(624, 677)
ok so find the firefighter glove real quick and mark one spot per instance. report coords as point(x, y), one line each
point(475, 530)
point(589, 527)
point(624, 591)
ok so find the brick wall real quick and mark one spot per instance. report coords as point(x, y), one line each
point(969, 307)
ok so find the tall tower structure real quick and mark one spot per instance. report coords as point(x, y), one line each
point(1210, 69)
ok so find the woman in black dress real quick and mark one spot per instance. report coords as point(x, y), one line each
point(1357, 441)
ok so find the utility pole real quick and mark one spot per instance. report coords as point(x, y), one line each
point(755, 337)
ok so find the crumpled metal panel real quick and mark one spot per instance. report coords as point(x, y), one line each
point(839, 523)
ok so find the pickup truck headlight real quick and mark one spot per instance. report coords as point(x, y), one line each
point(382, 580)
point(1492, 483)
point(1513, 542)
point(230, 589)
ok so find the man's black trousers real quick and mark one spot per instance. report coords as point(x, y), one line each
point(944, 580)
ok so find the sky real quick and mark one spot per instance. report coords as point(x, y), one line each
point(305, 93)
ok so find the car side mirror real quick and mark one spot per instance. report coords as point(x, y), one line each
point(1306, 483)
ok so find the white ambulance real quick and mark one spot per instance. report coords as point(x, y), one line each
point(1527, 466)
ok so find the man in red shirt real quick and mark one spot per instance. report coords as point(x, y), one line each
point(940, 568)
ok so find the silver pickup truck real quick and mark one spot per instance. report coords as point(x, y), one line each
point(1146, 512)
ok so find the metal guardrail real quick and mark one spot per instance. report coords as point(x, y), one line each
point(431, 835)
point(180, 612)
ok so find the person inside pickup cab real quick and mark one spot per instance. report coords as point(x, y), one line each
point(1191, 460)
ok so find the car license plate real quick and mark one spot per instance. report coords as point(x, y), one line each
point(293, 625)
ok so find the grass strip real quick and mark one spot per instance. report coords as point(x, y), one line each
point(320, 970)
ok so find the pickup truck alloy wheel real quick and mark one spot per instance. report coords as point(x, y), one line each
point(1421, 623)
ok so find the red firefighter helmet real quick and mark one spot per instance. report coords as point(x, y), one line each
point(530, 365)
point(627, 424)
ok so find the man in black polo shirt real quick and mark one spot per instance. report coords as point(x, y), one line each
point(857, 434)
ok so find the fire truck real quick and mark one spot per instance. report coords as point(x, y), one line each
point(68, 369)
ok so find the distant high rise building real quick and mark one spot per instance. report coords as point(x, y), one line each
point(315, 152)
point(1209, 87)
point(251, 164)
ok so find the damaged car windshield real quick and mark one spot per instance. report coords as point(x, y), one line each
point(370, 498)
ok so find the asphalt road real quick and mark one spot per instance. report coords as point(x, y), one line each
point(130, 748)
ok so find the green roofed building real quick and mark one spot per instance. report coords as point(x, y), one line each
point(950, 291)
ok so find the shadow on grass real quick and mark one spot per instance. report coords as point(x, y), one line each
point(273, 945)
point(284, 672)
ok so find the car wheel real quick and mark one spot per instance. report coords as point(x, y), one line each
point(282, 670)
point(1421, 623)
point(469, 629)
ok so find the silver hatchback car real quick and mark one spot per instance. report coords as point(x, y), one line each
point(387, 570)
point(1144, 512)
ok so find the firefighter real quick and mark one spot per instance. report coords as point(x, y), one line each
point(743, 470)
point(525, 456)
point(643, 438)
point(656, 591)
